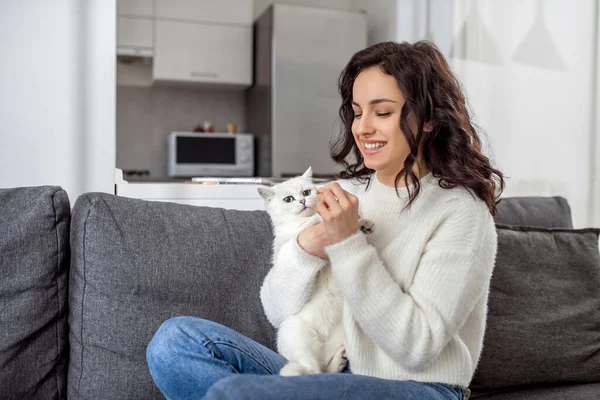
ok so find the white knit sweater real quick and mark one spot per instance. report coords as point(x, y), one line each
point(415, 290)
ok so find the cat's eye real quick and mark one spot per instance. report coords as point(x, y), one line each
point(306, 192)
point(289, 199)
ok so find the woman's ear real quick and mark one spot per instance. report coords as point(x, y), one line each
point(428, 126)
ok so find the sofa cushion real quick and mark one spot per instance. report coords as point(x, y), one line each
point(137, 263)
point(34, 259)
point(544, 309)
point(588, 391)
point(546, 212)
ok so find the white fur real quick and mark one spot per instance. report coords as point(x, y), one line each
point(313, 339)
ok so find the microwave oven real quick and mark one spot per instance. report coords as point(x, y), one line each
point(193, 154)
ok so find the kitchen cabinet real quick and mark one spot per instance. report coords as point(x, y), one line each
point(135, 36)
point(233, 197)
point(214, 11)
point(135, 27)
point(204, 42)
point(135, 8)
point(202, 53)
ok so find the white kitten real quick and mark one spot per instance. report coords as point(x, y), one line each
point(312, 340)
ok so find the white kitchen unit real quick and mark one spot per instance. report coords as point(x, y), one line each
point(135, 8)
point(201, 42)
point(208, 194)
point(235, 197)
point(135, 36)
point(236, 12)
point(135, 27)
point(202, 53)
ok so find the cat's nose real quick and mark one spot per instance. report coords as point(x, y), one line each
point(302, 201)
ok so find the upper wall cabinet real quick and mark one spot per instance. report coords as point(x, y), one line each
point(135, 8)
point(135, 36)
point(203, 53)
point(135, 27)
point(192, 41)
point(213, 11)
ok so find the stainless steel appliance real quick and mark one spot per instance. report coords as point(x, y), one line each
point(210, 154)
point(292, 108)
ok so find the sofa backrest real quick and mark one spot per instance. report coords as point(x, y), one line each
point(544, 212)
point(543, 309)
point(34, 261)
point(137, 263)
point(544, 303)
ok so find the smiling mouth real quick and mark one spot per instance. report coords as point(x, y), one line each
point(373, 149)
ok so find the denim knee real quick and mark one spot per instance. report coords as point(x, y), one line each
point(158, 345)
point(175, 334)
point(233, 387)
point(163, 345)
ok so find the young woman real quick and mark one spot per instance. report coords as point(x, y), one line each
point(415, 290)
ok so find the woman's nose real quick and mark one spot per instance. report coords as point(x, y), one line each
point(365, 126)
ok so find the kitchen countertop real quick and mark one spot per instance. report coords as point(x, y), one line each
point(216, 180)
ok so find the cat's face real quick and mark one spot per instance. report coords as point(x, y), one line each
point(294, 197)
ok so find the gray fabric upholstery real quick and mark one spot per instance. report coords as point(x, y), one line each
point(137, 263)
point(34, 254)
point(589, 391)
point(547, 212)
point(544, 309)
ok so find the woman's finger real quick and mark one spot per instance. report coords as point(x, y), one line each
point(341, 195)
point(331, 201)
point(322, 210)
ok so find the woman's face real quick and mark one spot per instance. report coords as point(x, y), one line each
point(377, 103)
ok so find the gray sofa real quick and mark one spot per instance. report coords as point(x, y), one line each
point(82, 291)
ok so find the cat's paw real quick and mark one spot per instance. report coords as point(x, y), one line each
point(338, 362)
point(294, 368)
point(367, 226)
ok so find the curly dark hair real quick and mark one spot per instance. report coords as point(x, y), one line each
point(451, 150)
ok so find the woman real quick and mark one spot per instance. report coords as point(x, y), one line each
point(415, 290)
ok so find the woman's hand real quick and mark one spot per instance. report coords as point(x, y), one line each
point(313, 240)
point(339, 210)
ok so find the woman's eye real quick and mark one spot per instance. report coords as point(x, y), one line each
point(289, 199)
point(383, 114)
point(306, 193)
point(357, 115)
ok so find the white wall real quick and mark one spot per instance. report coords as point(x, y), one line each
point(541, 124)
point(595, 171)
point(420, 19)
point(538, 119)
point(57, 94)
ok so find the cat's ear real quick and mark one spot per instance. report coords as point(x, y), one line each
point(266, 193)
point(308, 173)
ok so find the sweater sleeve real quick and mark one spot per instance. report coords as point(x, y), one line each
point(288, 285)
point(454, 271)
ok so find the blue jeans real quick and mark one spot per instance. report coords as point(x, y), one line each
point(193, 358)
